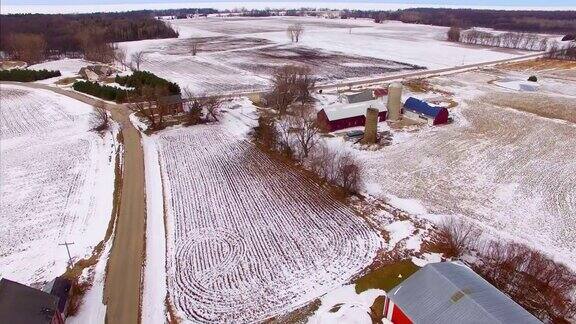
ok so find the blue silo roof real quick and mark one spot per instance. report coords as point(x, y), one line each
point(449, 292)
point(422, 107)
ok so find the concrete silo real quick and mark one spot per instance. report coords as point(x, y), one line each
point(394, 104)
point(371, 126)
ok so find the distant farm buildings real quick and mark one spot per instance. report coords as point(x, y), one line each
point(350, 110)
point(449, 292)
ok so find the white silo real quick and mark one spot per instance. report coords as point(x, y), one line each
point(394, 104)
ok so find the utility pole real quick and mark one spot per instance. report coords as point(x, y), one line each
point(68, 250)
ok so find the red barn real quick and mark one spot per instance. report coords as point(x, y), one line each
point(345, 115)
point(450, 292)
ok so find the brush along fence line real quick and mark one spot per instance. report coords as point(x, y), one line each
point(248, 238)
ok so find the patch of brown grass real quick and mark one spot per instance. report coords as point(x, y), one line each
point(539, 104)
point(66, 81)
point(539, 64)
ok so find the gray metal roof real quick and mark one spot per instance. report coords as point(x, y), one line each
point(450, 292)
point(355, 97)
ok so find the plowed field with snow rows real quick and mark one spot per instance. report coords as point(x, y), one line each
point(56, 183)
point(511, 170)
point(247, 237)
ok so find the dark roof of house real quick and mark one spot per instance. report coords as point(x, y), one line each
point(59, 287)
point(450, 292)
point(422, 107)
point(169, 100)
point(25, 305)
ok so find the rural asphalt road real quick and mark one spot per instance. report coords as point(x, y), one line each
point(123, 277)
point(123, 281)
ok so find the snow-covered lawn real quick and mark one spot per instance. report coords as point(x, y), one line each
point(239, 54)
point(67, 67)
point(56, 183)
point(247, 237)
point(344, 305)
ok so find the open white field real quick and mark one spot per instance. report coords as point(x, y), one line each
point(247, 237)
point(56, 183)
point(238, 54)
point(511, 170)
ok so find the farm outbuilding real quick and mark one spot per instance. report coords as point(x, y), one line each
point(26, 305)
point(419, 110)
point(352, 97)
point(450, 292)
point(341, 116)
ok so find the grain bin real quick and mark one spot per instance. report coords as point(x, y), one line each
point(394, 104)
point(371, 126)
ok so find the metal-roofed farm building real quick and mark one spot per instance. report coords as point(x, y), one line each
point(344, 115)
point(450, 292)
point(421, 111)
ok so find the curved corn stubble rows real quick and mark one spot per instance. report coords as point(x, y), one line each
point(249, 238)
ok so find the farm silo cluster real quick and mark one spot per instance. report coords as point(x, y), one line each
point(352, 109)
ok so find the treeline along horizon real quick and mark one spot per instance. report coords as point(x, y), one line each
point(66, 33)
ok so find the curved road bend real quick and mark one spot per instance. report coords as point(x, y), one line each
point(122, 288)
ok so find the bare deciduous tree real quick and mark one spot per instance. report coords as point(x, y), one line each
point(99, 119)
point(147, 105)
point(455, 237)
point(305, 128)
point(291, 84)
point(453, 34)
point(30, 48)
point(120, 56)
point(295, 32)
point(348, 173)
point(540, 285)
point(202, 108)
point(194, 47)
point(94, 44)
point(265, 134)
point(136, 60)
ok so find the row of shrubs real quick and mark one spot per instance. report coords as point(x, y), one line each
point(23, 75)
point(139, 79)
point(101, 91)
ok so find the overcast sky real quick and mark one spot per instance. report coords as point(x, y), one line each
point(515, 3)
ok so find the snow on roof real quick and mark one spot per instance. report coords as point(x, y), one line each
point(346, 110)
point(450, 292)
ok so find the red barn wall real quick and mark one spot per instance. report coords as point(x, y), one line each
point(339, 124)
point(442, 117)
point(398, 316)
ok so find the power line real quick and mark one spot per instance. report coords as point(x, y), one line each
point(68, 250)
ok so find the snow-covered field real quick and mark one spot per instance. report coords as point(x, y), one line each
point(247, 237)
point(511, 170)
point(68, 67)
point(239, 54)
point(56, 183)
